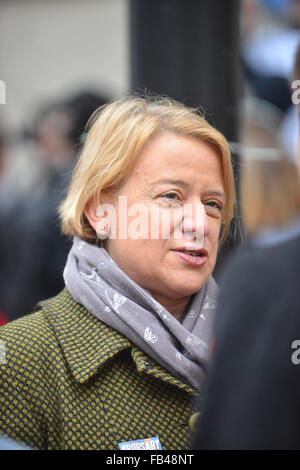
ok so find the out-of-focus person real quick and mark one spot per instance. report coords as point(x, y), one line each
point(252, 392)
point(117, 358)
point(30, 273)
point(295, 85)
point(251, 399)
point(271, 38)
point(83, 104)
point(3, 317)
point(35, 250)
point(1, 157)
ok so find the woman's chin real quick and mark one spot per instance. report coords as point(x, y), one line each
point(187, 287)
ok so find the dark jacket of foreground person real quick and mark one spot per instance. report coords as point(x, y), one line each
point(252, 394)
point(71, 382)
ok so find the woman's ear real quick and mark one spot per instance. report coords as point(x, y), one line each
point(90, 212)
point(97, 219)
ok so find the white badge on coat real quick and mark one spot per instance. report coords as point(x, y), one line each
point(150, 443)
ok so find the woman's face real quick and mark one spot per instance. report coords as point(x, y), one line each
point(172, 173)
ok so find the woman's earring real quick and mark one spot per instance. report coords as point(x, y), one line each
point(102, 231)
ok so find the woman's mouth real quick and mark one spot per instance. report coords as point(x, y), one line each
point(192, 257)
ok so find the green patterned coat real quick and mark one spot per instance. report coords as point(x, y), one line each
point(68, 381)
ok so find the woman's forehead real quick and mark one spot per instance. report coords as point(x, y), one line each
point(173, 152)
point(155, 178)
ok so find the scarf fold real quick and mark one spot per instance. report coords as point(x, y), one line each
point(96, 281)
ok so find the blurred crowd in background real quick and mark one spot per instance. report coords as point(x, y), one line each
point(33, 250)
point(271, 33)
point(36, 163)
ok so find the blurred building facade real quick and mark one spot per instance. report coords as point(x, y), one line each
point(52, 48)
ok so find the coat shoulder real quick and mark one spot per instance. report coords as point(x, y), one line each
point(28, 335)
point(28, 378)
point(26, 343)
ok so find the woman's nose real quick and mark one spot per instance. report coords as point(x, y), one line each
point(195, 224)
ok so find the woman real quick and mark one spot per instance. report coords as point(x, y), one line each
point(120, 354)
point(252, 393)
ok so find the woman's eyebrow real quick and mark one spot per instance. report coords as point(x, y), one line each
point(208, 192)
point(215, 192)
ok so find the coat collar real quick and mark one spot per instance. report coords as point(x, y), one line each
point(88, 343)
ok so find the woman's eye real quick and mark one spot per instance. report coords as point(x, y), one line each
point(170, 195)
point(214, 205)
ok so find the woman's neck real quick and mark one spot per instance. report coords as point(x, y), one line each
point(176, 307)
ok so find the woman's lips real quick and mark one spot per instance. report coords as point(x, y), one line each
point(192, 260)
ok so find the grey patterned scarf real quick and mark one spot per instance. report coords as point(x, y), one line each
point(96, 281)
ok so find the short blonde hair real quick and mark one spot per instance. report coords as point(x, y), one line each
point(270, 194)
point(118, 132)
